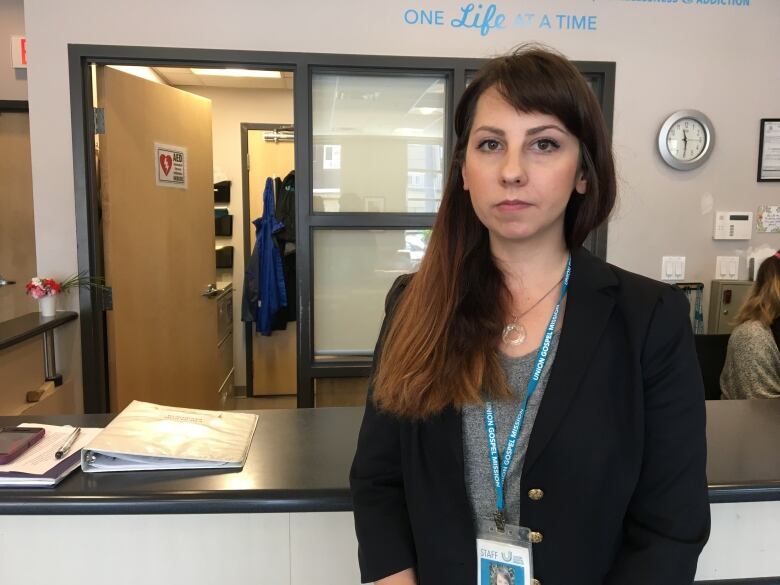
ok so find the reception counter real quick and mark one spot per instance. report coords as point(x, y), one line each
point(285, 518)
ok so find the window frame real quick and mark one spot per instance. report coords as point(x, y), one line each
point(303, 66)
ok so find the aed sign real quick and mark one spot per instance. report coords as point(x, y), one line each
point(19, 52)
point(170, 164)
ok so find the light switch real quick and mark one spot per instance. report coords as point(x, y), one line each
point(727, 268)
point(673, 268)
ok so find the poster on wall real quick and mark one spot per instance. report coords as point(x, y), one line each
point(170, 165)
point(768, 219)
point(769, 150)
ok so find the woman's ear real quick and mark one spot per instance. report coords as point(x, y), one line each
point(463, 177)
point(581, 186)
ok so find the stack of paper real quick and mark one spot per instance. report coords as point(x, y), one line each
point(38, 467)
point(147, 436)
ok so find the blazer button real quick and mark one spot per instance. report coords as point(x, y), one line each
point(535, 494)
point(536, 582)
point(536, 537)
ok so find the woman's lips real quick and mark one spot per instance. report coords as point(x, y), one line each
point(513, 205)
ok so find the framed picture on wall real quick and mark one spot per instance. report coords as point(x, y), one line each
point(769, 150)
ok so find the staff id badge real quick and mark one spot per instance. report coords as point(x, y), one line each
point(504, 557)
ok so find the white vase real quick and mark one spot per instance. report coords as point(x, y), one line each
point(47, 306)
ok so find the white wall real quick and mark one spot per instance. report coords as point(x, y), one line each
point(719, 59)
point(13, 82)
point(294, 549)
point(229, 109)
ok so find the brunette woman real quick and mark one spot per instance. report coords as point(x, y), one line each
point(752, 367)
point(524, 389)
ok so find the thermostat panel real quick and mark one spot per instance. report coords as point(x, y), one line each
point(733, 225)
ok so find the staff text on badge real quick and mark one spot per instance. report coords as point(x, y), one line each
point(170, 165)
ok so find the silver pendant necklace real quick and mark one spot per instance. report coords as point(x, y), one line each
point(514, 332)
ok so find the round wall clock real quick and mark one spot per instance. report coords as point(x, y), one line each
point(685, 140)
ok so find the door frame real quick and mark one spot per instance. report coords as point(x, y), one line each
point(249, 334)
point(303, 66)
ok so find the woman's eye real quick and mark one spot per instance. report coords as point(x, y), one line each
point(546, 145)
point(489, 144)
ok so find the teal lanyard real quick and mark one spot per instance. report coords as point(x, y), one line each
point(501, 467)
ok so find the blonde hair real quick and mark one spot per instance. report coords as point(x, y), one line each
point(763, 303)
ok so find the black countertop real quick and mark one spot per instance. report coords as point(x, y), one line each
point(21, 328)
point(299, 462)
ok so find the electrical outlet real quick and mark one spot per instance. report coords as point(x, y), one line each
point(727, 268)
point(673, 268)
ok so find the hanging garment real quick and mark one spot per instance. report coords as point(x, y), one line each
point(264, 290)
point(277, 191)
point(285, 208)
point(285, 213)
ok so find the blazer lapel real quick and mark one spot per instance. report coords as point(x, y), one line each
point(588, 308)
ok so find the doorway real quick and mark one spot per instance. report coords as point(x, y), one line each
point(269, 159)
point(174, 255)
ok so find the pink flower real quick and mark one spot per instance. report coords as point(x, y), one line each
point(41, 287)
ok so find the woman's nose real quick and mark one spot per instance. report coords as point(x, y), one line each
point(513, 171)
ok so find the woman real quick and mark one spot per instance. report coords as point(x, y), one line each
point(752, 366)
point(503, 577)
point(608, 473)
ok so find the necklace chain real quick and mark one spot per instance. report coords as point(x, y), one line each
point(514, 332)
point(547, 294)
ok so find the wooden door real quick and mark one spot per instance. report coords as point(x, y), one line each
point(158, 244)
point(17, 225)
point(21, 365)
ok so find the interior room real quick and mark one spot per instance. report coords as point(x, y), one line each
point(204, 208)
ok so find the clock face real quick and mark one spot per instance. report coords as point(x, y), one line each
point(686, 139)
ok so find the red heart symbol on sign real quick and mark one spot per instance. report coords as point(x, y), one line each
point(166, 162)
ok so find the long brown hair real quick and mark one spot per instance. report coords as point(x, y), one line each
point(763, 303)
point(440, 346)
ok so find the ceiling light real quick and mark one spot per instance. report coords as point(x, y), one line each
point(426, 111)
point(238, 73)
point(408, 131)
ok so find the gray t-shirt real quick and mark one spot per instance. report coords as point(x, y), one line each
point(479, 477)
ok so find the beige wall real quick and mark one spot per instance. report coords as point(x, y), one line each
point(722, 61)
point(13, 82)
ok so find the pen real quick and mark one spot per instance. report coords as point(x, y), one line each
point(68, 444)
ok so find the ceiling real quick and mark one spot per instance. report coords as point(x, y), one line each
point(409, 106)
point(178, 76)
point(378, 105)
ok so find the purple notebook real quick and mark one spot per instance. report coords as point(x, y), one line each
point(48, 479)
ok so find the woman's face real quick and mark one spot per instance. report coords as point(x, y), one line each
point(520, 170)
point(502, 580)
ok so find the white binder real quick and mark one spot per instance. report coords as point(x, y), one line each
point(147, 436)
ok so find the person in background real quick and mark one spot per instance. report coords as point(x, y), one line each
point(511, 329)
point(752, 366)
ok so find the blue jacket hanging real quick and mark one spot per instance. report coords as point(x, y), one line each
point(264, 291)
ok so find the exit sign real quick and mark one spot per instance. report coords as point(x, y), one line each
point(19, 52)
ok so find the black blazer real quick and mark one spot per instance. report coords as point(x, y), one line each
point(618, 449)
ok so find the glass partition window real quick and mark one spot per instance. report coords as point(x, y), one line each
point(353, 270)
point(378, 143)
point(340, 391)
